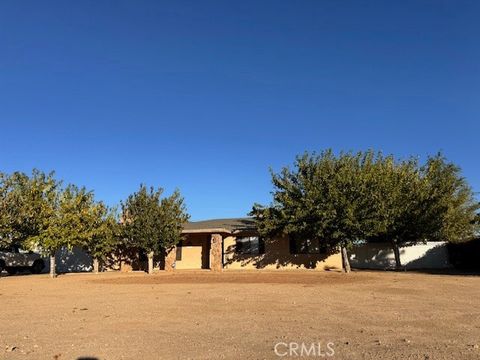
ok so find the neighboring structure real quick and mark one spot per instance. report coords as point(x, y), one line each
point(235, 244)
point(430, 255)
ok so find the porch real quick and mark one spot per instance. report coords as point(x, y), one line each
point(199, 251)
point(203, 244)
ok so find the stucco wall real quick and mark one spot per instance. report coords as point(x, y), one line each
point(194, 252)
point(277, 256)
point(191, 258)
point(432, 255)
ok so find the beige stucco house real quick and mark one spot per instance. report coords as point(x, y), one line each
point(235, 244)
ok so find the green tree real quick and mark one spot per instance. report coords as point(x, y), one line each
point(152, 224)
point(399, 203)
point(453, 208)
point(103, 235)
point(68, 222)
point(416, 203)
point(174, 215)
point(342, 199)
point(24, 203)
point(325, 197)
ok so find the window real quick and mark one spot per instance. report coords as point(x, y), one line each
point(178, 254)
point(250, 245)
point(306, 246)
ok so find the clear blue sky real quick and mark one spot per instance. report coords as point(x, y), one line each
point(207, 95)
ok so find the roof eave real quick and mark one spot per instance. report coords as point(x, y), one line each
point(209, 230)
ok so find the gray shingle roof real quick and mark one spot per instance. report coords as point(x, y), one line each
point(220, 225)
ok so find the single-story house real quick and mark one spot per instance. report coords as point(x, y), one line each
point(235, 244)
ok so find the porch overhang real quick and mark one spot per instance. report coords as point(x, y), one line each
point(220, 226)
point(207, 231)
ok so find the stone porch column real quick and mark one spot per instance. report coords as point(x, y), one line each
point(216, 261)
point(170, 259)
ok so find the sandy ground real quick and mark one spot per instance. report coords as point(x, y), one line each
point(235, 315)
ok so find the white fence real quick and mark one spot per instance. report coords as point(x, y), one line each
point(76, 260)
point(432, 255)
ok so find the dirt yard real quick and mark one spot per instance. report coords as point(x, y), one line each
point(235, 315)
